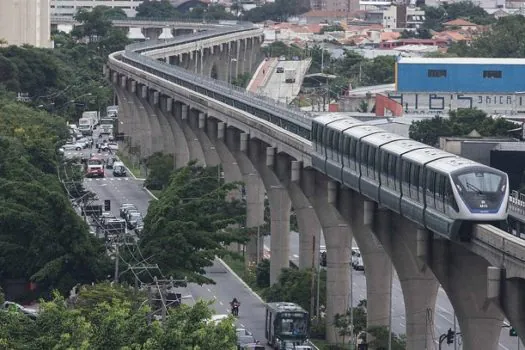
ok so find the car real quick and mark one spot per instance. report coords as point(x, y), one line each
point(119, 169)
point(84, 141)
point(357, 260)
point(69, 146)
point(279, 70)
point(131, 211)
point(244, 337)
point(9, 305)
point(109, 162)
point(124, 207)
point(134, 220)
point(109, 146)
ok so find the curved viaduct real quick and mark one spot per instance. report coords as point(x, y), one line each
point(169, 102)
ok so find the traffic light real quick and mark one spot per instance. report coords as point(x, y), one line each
point(450, 336)
point(512, 332)
point(107, 205)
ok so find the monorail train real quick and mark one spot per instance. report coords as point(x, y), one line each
point(444, 192)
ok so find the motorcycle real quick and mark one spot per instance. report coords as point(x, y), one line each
point(235, 309)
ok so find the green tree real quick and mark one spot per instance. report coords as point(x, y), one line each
point(157, 9)
point(503, 40)
point(262, 273)
point(436, 16)
point(379, 71)
point(191, 223)
point(461, 122)
point(160, 166)
point(296, 286)
point(41, 238)
point(380, 341)
point(211, 12)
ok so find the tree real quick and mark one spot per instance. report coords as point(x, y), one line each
point(503, 40)
point(460, 123)
point(160, 166)
point(279, 10)
point(436, 16)
point(296, 286)
point(378, 71)
point(41, 238)
point(115, 324)
point(157, 9)
point(263, 274)
point(380, 339)
point(191, 223)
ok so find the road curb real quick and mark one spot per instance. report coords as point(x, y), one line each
point(240, 280)
point(151, 194)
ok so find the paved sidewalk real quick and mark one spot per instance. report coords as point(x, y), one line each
point(261, 74)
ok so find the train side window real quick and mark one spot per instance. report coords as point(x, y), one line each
point(385, 156)
point(314, 136)
point(450, 200)
point(371, 162)
point(363, 160)
point(429, 192)
point(440, 192)
point(353, 154)
point(391, 171)
point(406, 178)
point(325, 141)
point(335, 146)
point(329, 141)
point(346, 150)
point(414, 182)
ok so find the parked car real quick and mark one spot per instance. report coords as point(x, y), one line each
point(357, 260)
point(109, 162)
point(69, 146)
point(9, 305)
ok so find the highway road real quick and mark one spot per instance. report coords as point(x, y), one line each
point(252, 310)
point(277, 88)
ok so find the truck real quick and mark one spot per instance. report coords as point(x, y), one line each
point(95, 115)
point(85, 126)
point(111, 111)
point(289, 76)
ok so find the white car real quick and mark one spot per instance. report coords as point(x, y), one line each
point(109, 146)
point(77, 146)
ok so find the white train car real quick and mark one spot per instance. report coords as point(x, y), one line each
point(443, 192)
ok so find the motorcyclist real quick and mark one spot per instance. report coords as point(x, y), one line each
point(235, 306)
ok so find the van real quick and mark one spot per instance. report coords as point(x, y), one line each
point(357, 260)
point(119, 169)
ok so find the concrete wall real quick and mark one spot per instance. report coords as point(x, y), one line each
point(25, 22)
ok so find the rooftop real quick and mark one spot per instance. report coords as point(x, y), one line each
point(459, 22)
point(462, 60)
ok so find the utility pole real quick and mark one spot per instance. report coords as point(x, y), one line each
point(117, 259)
point(312, 289)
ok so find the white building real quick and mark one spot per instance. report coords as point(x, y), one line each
point(25, 22)
point(403, 17)
point(70, 7)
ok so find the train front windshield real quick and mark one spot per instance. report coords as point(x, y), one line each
point(482, 191)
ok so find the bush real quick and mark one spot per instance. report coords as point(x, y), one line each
point(263, 274)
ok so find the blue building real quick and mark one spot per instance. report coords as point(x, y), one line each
point(460, 75)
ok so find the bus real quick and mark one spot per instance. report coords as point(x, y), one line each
point(287, 325)
point(94, 167)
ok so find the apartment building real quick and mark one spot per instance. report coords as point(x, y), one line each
point(25, 22)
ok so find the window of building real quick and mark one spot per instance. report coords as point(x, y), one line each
point(437, 73)
point(492, 74)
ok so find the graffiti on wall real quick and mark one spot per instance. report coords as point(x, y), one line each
point(437, 103)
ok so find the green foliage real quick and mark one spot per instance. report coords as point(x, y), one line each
point(296, 286)
point(41, 238)
point(460, 123)
point(278, 49)
point(157, 9)
point(279, 10)
point(263, 274)
point(380, 341)
point(115, 324)
point(211, 12)
point(343, 322)
point(503, 40)
point(420, 33)
point(332, 28)
point(160, 166)
point(191, 223)
point(242, 80)
point(436, 16)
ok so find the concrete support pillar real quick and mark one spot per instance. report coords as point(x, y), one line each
point(338, 239)
point(134, 87)
point(400, 236)
point(280, 206)
point(197, 123)
point(144, 92)
point(123, 81)
point(463, 276)
point(254, 188)
point(184, 112)
point(155, 97)
point(512, 299)
point(115, 78)
point(359, 213)
point(182, 152)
